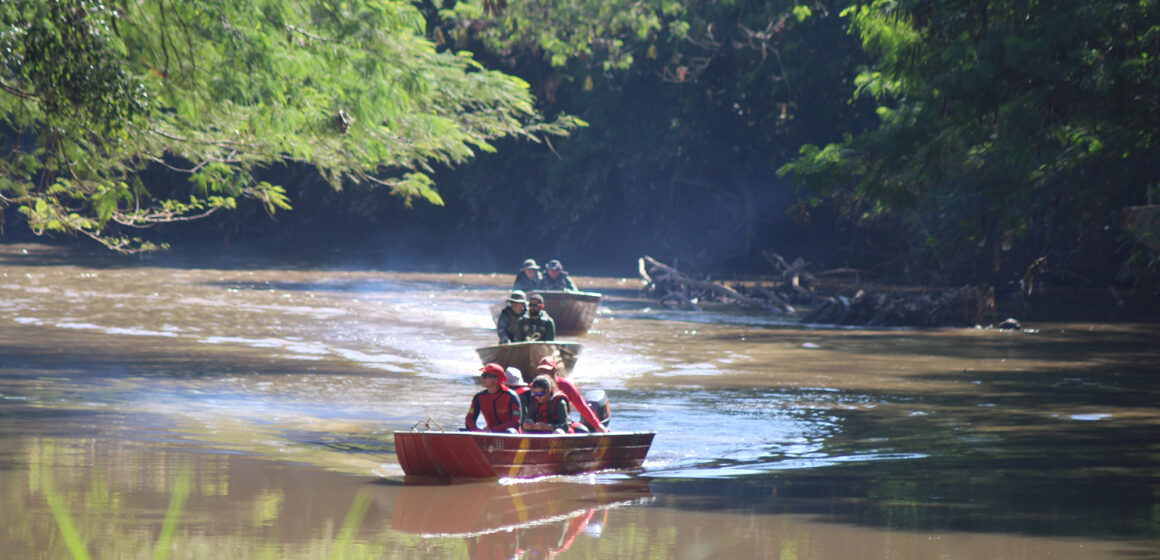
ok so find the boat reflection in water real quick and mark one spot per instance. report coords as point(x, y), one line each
point(527, 519)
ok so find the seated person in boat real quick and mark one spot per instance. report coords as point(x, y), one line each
point(537, 325)
point(499, 406)
point(556, 278)
point(529, 277)
point(549, 411)
point(547, 366)
point(509, 319)
point(515, 382)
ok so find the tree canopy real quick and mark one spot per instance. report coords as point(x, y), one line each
point(1004, 124)
point(963, 140)
point(92, 94)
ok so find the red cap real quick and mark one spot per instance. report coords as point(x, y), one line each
point(547, 363)
point(493, 369)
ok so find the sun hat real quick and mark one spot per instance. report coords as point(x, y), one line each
point(514, 377)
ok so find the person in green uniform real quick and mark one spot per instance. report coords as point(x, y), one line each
point(529, 277)
point(537, 325)
point(507, 325)
point(556, 278)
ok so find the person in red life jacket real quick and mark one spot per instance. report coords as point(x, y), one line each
point(515, 382)
point(549, 411)
point(499, 406)
point(548, 367)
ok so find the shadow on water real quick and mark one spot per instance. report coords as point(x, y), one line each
point(358, 286)
point(957, 343)
point(95, 361)
point(1008, 455)
point(937, 495)
point(40, 253)
point(1033, 434)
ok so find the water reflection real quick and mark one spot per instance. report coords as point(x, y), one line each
point(518, 519)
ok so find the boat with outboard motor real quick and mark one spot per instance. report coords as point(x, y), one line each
point(438, 453)
point(428, 450)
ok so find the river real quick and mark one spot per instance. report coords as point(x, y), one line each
point(221, 406)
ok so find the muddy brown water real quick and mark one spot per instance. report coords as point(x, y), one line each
point(241, 408)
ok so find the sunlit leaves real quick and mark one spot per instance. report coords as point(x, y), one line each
point(602, 33)
point(95, 94)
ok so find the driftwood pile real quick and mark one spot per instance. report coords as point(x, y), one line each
point(676, 289)
point(819, 299)
point(960, 307)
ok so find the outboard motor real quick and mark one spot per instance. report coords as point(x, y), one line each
point(598, 400)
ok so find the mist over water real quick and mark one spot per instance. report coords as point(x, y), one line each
point(279, 384)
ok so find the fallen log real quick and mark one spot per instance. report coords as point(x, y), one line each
point(830, 302)
point(649, 264)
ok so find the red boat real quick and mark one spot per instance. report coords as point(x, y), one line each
point(490, 455)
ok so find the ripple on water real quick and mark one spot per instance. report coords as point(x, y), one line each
point(1090, 417)
point(128, 331)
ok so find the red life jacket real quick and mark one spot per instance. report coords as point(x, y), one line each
point(497, 409)
point(545, 412)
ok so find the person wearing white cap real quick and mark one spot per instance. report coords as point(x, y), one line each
point(515, 382)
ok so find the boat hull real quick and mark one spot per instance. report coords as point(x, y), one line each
point(488, 455)
point(527, 355)
point(573, 312)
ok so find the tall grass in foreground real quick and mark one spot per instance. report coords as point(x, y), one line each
point(176, 503)
point(68, 529)
point(76, 542)
point(350, 525)
point(341, 548)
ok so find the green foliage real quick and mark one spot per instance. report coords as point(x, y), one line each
point(92, 95)
point(181, 490)
point(605, 34)
point(64, 520)
point(1024, 121)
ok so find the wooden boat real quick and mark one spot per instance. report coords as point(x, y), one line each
point(487, 455)
point(527, 355)
point(573, 312)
